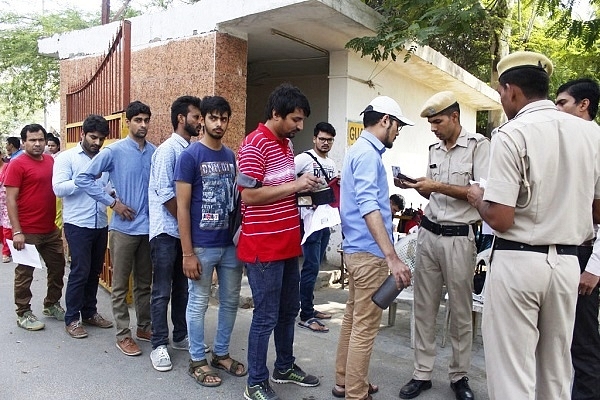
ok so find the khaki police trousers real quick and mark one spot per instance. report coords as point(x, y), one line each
point(528, 317)
point(449, 260)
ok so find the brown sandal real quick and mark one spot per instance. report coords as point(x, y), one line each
point(195, 370)
point(233, 368)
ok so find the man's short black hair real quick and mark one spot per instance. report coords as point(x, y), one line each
point(136, 108)
point(32, 128)
point(95, 123)
point(371, 118)
point(398, 201)
point(533, 82)
point(324, 127)
point(14, 142)
point(583, 88)
point(181, 106)
point(284, 99)
point(215, 103)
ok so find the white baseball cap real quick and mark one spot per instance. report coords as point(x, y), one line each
point(389, 106)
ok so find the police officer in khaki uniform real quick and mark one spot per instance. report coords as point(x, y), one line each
point(446, 243)
point(543, 177)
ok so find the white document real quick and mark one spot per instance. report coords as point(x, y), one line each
point(324, 216)
point(28, 256)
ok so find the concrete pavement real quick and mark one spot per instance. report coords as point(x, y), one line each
point(49, 364)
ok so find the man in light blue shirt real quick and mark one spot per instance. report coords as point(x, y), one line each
point(169, 282)
point(128, 164)
point(368, 250)
point(85, 227)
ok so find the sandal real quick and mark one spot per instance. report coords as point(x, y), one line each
point(321, 315)
point(233, 368)
point(195, 370)
point(308, 324)
point(340, 394)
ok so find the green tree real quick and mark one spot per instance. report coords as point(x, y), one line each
point(29, 81)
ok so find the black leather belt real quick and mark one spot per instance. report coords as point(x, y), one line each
point(445, 230)
point(588, 243)
point(561, 249)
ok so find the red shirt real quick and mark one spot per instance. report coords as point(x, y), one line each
point(36, 201)
point(270, 232)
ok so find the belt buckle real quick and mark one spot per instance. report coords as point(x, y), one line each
point(448, 230)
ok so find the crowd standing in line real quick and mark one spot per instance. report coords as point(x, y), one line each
point(175, 207)
point(446, 244)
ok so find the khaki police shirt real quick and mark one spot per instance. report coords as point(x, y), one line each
point(467, 160)
point(562, 166)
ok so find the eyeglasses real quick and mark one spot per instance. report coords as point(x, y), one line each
point(400, 123)
point(325, 140)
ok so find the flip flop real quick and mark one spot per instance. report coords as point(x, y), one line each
point(307, 325)
point(321, 315)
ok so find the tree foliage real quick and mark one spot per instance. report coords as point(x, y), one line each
point(29, 81)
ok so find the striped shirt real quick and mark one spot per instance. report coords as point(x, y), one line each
point(270, 232)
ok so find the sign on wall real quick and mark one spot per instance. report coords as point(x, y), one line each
point(354, 130)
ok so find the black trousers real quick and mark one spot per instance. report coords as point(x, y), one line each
point(585, 348)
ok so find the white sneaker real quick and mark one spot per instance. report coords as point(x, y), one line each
point(161, 361)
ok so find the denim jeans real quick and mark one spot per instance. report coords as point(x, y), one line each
point(229, 274)
point(314, 252)
point(88, 247)
point(276, 299)
point(168, 283)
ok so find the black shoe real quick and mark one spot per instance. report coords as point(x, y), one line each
point(462, 390)
point(414, 388)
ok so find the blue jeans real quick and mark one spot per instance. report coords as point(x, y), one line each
point(276, 296)
point(87, 247)
point(314, 252)
point(168, 283)
point(229, 274)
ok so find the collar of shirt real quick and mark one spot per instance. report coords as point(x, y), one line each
point(267, 132)
point(461, 140)
point(535, 106)
point(369, 137)
point(132, 143)
point(179, 139)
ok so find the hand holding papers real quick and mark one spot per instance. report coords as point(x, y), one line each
point(28, 256)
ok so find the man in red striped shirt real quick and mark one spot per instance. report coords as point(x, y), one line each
point(269, 243)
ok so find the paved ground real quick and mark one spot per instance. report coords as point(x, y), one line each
point(50, 365)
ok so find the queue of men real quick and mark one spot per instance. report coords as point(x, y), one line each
point(171, 232)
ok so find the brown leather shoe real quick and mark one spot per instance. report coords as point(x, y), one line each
point(128, 347)
point(75, 330)
point(143, 335)
point(98, 320)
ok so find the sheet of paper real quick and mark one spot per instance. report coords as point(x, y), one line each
point(28, 256)
point(324, 216)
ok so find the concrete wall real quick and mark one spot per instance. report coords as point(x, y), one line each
point(213, 64)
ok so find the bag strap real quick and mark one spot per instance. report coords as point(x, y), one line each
point(322, 169)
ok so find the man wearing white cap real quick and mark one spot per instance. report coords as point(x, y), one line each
point(368, 250)
point(446, 244)
point(544, 172)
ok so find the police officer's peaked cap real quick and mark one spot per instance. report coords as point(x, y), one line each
point(524, 59)
point(389, 106)
point(438, 103)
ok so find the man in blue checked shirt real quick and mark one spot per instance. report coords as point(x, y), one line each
point(128, 165)
point(85, 227)
point(169, 282)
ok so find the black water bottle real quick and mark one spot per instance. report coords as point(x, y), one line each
point(387, 292)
